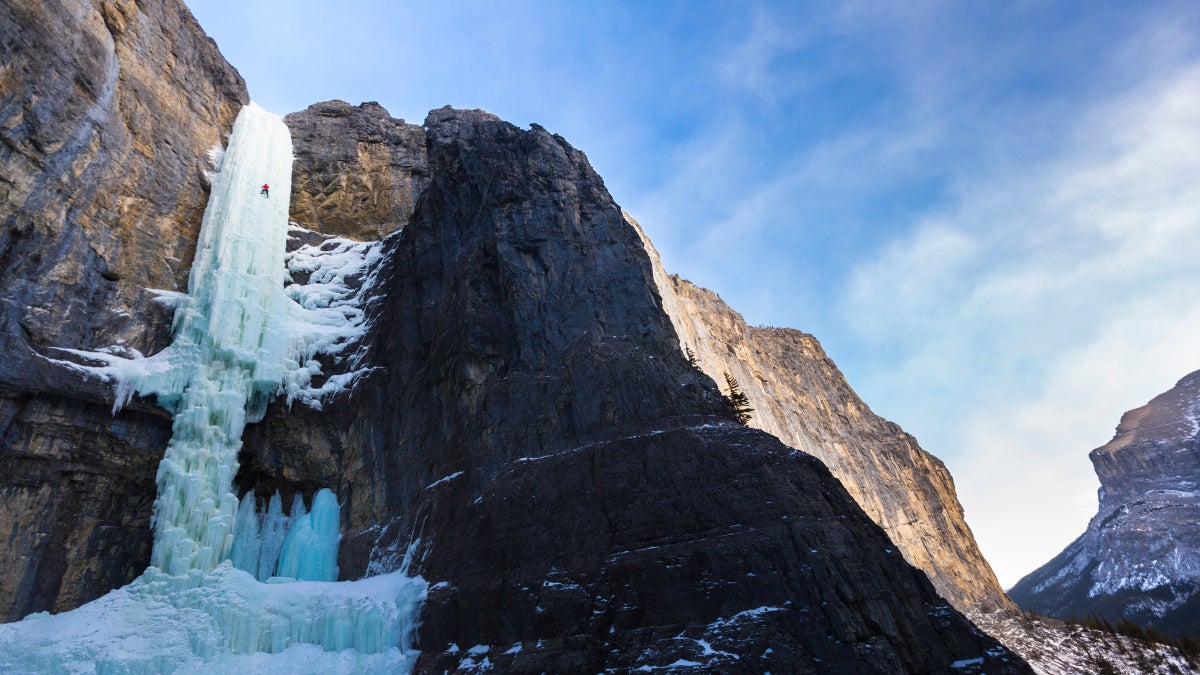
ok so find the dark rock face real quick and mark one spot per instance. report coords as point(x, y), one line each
point(107, 111)
point(1140, 556)
point(566, 480)
point(83, 486)
point(520, 318)
point(358, 171)
point(516, 318)
point(714, 545)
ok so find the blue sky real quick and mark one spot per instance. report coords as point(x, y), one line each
point(986, 211)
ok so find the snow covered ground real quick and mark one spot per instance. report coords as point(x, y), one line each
point(1055, 648)
point(224, 622)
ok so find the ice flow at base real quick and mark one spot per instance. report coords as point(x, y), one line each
point(239, 341)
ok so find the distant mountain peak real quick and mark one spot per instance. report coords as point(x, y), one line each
point(1140, 555)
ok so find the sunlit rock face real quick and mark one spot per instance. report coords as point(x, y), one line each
point(103, 156)
point(799, 395)
point(359, 171)
point(1140, 556)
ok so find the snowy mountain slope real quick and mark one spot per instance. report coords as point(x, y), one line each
point(1056, 648)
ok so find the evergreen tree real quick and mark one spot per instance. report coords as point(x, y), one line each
point(739, 400)
point(691, 357)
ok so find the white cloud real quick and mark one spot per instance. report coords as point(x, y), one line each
point(747, 65)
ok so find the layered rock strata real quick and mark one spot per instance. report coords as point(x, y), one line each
point(1140, 555)
point(799, 396)
point(107, 113)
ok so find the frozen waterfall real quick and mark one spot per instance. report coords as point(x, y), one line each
point(239, 341)
point(230, 351)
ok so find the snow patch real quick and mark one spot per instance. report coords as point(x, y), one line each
point(444, 479)
point(747, 615)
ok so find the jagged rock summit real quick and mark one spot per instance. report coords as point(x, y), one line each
point(1140, 555)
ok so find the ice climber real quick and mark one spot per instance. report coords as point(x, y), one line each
point(266, 190)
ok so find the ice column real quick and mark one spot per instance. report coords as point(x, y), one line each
point(310, 550)
point(232, 346)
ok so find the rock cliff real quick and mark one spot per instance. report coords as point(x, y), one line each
point(358, 171)
point(107, 113)
point(527, 428)
point(799, 396)
point(1139, 556)
point(579, 495)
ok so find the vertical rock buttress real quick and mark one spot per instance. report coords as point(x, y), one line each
point(532, 429)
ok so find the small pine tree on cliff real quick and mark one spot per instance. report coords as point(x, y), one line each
point(739, 400)
point(691, 357)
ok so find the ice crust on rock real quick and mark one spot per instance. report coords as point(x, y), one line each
point(330, 311)
point(240, 339)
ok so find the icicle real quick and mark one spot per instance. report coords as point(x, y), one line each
point(274, 531)
point(310, 551)
point(298, 509)
point(247, 544)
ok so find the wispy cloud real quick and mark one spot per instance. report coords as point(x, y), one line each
point(1039, 307)
point(1043, 286)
